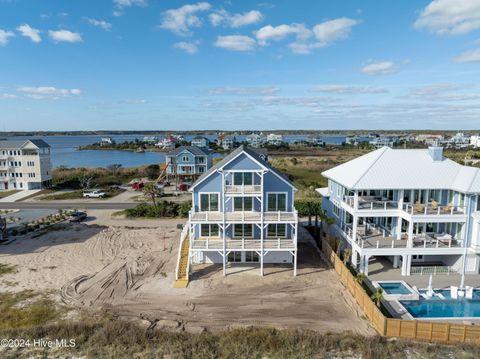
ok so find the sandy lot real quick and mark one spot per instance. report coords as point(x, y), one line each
point(127, 267)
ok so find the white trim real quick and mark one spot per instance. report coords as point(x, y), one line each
point(252, 158)
point(200, 201)
point(277, 193)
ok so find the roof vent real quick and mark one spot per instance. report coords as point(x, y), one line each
point(436, 153)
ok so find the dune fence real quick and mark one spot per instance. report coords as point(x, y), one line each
point(399, 328)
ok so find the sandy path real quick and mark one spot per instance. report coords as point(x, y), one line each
point(128, 268)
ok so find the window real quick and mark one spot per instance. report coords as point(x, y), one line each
point(336, 209)
point(201, 159)
point(201, 169)
point(478, 203)
point(251, 257)
point(276, 202)
point(243, 204)
point(276, 231)
point(209, 202)
point(235, 257)
point(242, 178)
point(209, 230)
point(185, 159)
point(243, 231)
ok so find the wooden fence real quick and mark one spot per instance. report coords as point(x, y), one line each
point(399, 328)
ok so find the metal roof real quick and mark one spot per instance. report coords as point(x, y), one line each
point(13, 144)
point(198, 151)
point(255, 153)
point(388, 168)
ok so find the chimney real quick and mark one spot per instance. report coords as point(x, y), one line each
point(436, 152)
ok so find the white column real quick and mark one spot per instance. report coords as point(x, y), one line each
point(262, 228)
point(406, 263)
point(365, 265)
point(354, 227)
point(410, 234)
point(354, 258)
point(400, 198)
point(296, 250)
point(399, 228)
point(355, 200)
point(396, 261)
point(409, 264)
point(362, 264)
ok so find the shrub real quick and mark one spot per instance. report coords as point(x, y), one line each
point(161, 209)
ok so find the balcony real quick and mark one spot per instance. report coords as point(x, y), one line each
point(243, 190)
point(419, 209)
point(243, 244)
point(241, 216)
point(370, 203)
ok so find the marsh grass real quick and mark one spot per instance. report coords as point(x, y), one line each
point(7, 269)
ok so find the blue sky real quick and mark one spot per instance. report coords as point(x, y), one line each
point(152, 64)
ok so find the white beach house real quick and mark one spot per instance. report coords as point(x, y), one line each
point(414, 207)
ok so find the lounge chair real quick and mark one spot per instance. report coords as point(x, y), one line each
point(448, 208)
point(434, 205)
point(469, 292)
point(454, 292)
point(423, 295)
point(419, 208)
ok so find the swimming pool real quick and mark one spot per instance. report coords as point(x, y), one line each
point(394, 288)
point(444, 308)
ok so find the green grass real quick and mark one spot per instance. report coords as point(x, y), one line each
point(7, 269)
point(78, 194)
point(117, 339)
point(26, 309)
point(4, 194)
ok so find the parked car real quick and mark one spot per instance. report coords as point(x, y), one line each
point(78, 216)
point(94, 194)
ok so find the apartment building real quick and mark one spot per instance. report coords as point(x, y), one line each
point(242, 212)
point(416, 208)
point(24, 164)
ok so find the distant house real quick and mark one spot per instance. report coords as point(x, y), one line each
point(201, 141)
point(187, 163)
point(227, 142)
point(150, 139)
point(255, 140)
point(25, 164)
point(105, 141)
point(167, 143)
point(379, 142)
point(274, 139)
point(458, 141)
point(429, 139)
point(475, 141)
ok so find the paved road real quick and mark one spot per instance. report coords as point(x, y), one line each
point(63, 205)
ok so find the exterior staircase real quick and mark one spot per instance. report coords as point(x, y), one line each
point(182, 265)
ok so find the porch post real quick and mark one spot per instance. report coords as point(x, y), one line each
point(354, 258)
point(262, 229)
point(409, 264)
point(354, 227)
point(295, 228)
point(396, 261)
point(355, 200)
point(365, 265)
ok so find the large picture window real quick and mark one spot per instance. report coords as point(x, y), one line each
point(209, 230)
point(276, 202)
point(243, 204)
point(243, 230)
point(242, 178)
point(277, 231)
point(209, 202)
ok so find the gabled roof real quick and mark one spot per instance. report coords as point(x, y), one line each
point(388, 168)
point(253, 153)
point(21, 143)
point(194, 150)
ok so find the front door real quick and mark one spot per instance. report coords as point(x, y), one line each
point(6, 185)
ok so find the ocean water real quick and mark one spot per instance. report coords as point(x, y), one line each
point(65, 153)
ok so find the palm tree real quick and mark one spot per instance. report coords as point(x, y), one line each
point(151, 191)
point(360, 277)
point(347, 254)
point(377, 296)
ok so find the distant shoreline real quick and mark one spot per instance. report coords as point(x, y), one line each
point(217, 132)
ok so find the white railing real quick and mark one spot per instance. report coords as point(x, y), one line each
point(432, 242)
point(434, 270)
point(183, 235)
point(278, 216)
point(243, 189)
point(429, 209)
point(243, 243)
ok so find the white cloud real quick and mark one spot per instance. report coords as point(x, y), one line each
point(28, 31)
point(325, 34)
point(223, 17)
point(379, 68)
point(121, 4)
point(47, 92)
point(189, 47)
point(244, 91)
point(7, 96)
point(469, 56)
point(135, 102)
point(450, 17)
point(64, 36)
point(181, 20)
point(100, 23)
point(348, 89)
point(333, 30)
point(4, 36)
point(271, 33)
point(235, 43)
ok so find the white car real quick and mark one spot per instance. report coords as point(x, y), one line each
point(94, 194)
